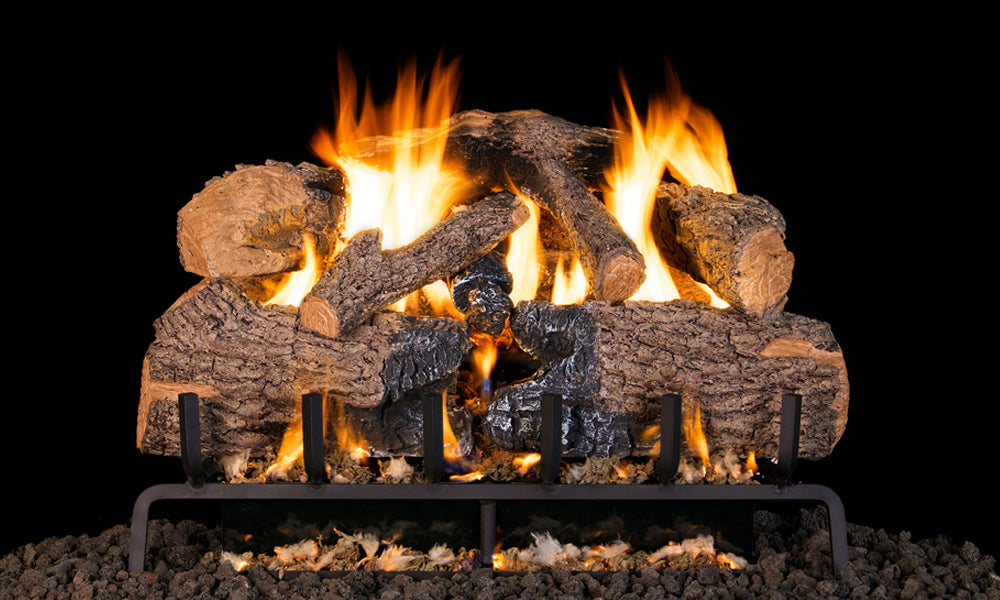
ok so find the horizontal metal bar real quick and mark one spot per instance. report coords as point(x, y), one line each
point(487, 492)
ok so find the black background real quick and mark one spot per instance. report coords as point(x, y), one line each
point(864, 135)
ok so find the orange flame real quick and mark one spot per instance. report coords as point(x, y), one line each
point(296, 285)
point(483, 358)
point(694, 433)
point(289, 452)
point(393, 155)
point(522, 257)
point(526, 461)
point(677, 135)
point(452, 451)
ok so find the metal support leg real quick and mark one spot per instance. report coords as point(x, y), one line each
point(551, 437)
point(433, 436)
point(313, 451)
point(670, 437)
point(190, 436)
point(487, 532)
point(788, 443)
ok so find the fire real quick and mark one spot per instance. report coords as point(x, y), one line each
point(522, 257)
point(452, 451)
point(398, 184)
point(694, 433)
point(677, 135)
point(483, 358)
point(296, 285)
point(570, 285)
point(289, 452)
point(526, 461)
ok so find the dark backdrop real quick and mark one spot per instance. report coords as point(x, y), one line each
point(861, 133)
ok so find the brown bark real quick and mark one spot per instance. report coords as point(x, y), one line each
point(548, 160)
point(251, 363)
point(252, 221)
point(364, 279)
point(732, 242)
point(612, 363)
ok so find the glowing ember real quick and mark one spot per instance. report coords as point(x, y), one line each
point(526, 461)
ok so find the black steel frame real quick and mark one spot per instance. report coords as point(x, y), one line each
point(488, 494)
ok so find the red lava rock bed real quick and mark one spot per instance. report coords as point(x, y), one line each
point(794, 562)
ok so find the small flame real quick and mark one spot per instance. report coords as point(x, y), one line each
point(751, 463)
point(677, 135)
point(296, 285)
point(452, 451)
point(694, 433)
point(570, 285)
point(523, 257)
point(398, 184)
point(466, 477)
point(483, 358)
point(349, 440)
point(526, 461)
point(289, 452)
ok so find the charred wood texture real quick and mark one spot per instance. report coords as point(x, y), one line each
point(732, 242)
point(250, 364)
point(364, 279)
point(252, 221)
point(612, 364)
point(482, 292)
point(548, 159)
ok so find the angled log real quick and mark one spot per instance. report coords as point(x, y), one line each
point(252, 221)
point(251, 363)
point(481, 292)
point(613, 363)
point(732, 242)
point(364, 279)
point(548, 159)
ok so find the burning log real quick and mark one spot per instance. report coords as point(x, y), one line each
point(547, 159)
point(251, 221)
point(612, 364)
point(482, 292)
point(732, 242)
point(365, 279)
point(250, 363)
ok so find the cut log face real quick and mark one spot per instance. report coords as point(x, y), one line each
point(364, 279)
point(251, 221)
point(250, 364)
point(613, 363)
point(544, 158)
point(732, 242)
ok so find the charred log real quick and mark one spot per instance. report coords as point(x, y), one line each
point(482, 292)
point(732, 242)
point(612, 364)
point(547, 159)
point(252, 221)
point(364, 279)
point(250, 363)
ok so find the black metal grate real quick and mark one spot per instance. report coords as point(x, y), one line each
point(488, 494)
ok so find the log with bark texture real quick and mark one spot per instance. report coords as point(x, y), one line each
point(545, 158)
point(250, 364)
point(251, 221)
point(612, 363)
point(732, 242)
point(481, 292)
point(364, 279)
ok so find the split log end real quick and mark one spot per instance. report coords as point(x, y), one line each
point(317, 315)
point(765, 272)
point(622, 276)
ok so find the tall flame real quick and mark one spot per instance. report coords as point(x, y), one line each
point(393, 154)
point(679, 136)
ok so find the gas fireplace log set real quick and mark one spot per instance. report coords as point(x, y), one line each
point(610, 360)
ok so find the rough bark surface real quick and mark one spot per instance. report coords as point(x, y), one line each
point(548, 160)
point(364, 279)
point(251, 363)
point(252, 221)
point(613, 363)
point(732, 242)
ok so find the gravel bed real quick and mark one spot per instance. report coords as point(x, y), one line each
point(794, 562)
